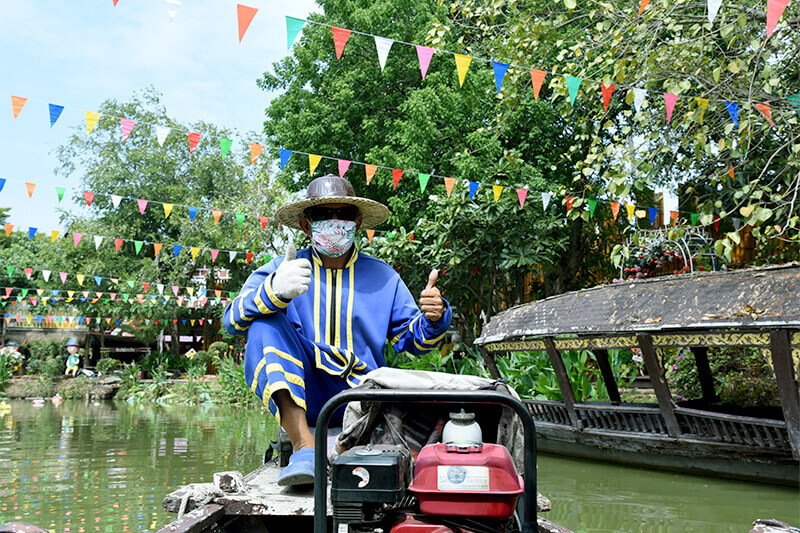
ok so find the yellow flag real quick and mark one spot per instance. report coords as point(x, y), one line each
point(191, 321)
point(631, 209)
point(167, 210)
point(313, 161)
point(462, 65)
point(80, 278)
point(190, 290)
point(91, 120)
point(702, 103)
point(497, 189)
point(71, 293)
point(195, 251)
point(166, 297)
point(55, 236)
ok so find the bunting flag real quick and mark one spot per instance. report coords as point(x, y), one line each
point(284, 155)
point(462, 66)
point(31, 233)
point(249, 257)
point(214, 254)
point(765, 110)
point(733, 111)
point(216, 213)
point(424, 55)
point(737, 223)
point(653, 211)
point(448, 185)
point(142, 205)
point(643, 5)
point(293, 27)
point(3, 184)
point(521, 195)
point(731, 172)
point(631, 210)
point(537, 78)
point(569, 201)
point(127, 126)
point(98, 240)
point(694, 217)
point(775, 9)
point(500, 70)
point(46, 275)
point(669, 101)
point(176, 251)
point(17, 103)
point(343, 164)
point(313, 162)
point(194, 138)
point(592, 203)
point(255, 151)
point(396, 175)
point(231, 256)
point(89, 197)
point(340, 36)
point(794, 99)
point(716, 223)
point(615, 209)
point(423, 181)
point(156, 248)
point(54, 235)
point(244, 16)
point(91, 120)
point(161, 134)
point(60, 192)
point(638, 98)
point(713, 9)
point(167, 209)
point(473, 188)
point(115, 200)
point(607, 92)
point(702, 103)
point(383, 45)
point(195, 251)
point(240, 219)
point(264, 221)
point(30, 187)
point(63, 276)
point(192, 213)
point(118, 244)
point(55, 112)
point(138, 246)
point(497, 190)
point(573, 84)
point(370, 172)
point(76, 238)
point(546, 196)
point(224, 146)
point(673, 216)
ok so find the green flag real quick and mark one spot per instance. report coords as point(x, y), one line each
point(10, 270)
point(231, 295)
point(423, 181)
point(293, 27)
point(592, 205)
point(694, 217)
point(573, 84)
point(60, 192)
point(138, 246)
point(125, 296)
point(24, 292)
point(225, 145)
point(240, 218)
point(795, 101)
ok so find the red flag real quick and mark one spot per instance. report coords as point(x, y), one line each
point(765, 110)
point(264, 221)
point(249, 257)
point(89, 196)
point(194, 138)
point(118, 243)
point(340, 37)
point(607, 92)
point(775, 9)
point(673, 215)
point(244, 15)
point(643, 5)
point(396, 175)
point(716, 223)
point(570, 199)
point(146, 286)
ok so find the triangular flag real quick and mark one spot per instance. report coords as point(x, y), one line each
point(195, 251)
point(98, 240)
point(216, 213)
point(91, 120)
point(28, 273)
point(255, 151)
point(370, 172)
point(285, 155)
point(737, 223)
point(31, 233)
point(631, 210)
point(702, 103)
point(192, 213)
point(615, 209)
point(424, 55)
point(293, 27)
point(175, 289)
point(497, 190)
point(669, 101)
point(383, 46)
point(118, 244)
point(127, 125)
point(448, 185)
point(55, 112)
point(462, 66)
point(146, 286)
point(607, 92)
point(643, 5)
point(313, 162)
point(60, 193)
point(214, 254)
point(423, 181)
point(713, 9)
point(63, 276)
point(638, 98)
point(115, 200)
point(573, 84)
point(176, 250)
point(673, 216)
point(473, 188)
point(731, 172)
point(167, 209)
point(340, 36)
point(10, 269)
point(9, 227)
point(592, 203)
point(775, 9)
point(244, 15)
point(716, 223)
point(396, 175)
point(264, 222)
point(344, 164)
point(694, 217)
point(156, 248)
point(80, 277)
point(30, 187)
point(231, 257)
point(794, 99)
point(17, 103)
point(765, 110)
point(2, 183)
point(569, 201)
point(240, 219)
point(194, 138)
point(138, 246)
point(249, 257)
point(546, 200)
point(88, 196)
point(142, 205)
point(46, 275)
point(521, 195)
point(224, 146)
point(653, 212)
point(76, 238)
point(161, 134)
point(500, 70)
point(370, 234)
point(537, 78)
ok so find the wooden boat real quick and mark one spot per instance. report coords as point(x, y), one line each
point(757, 307)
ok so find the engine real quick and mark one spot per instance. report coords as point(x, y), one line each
point(458, 486)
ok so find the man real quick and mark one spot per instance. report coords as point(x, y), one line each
point(317, 322)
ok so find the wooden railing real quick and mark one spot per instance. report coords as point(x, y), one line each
point(638, 419)
point(733, 429)
point(548, 411)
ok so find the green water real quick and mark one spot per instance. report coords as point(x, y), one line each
point(83, 467)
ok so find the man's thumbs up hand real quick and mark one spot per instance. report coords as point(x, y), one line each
point(430, 300)
point(292, 277)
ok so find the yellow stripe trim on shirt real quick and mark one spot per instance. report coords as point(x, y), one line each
point(317, 326)
point(259, 366)
point(321, 366)
point(288, 376)
point(431, 342)
point(338, 325)
point(328, 304)
point(283, 355)
point(277, 302)
point(350, 295)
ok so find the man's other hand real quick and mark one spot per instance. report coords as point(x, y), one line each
point(430, 299)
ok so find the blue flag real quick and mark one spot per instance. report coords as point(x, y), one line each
point(55, 112)
point(473, 187)
point(653, 211)
point(285, 155)
point(31, 233)
point(98, 280)
point(2, 183)
point(192, 213)
point(500, 70)
point(176, 248)
point(733, 111)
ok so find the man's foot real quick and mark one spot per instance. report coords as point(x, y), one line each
point(300, 470)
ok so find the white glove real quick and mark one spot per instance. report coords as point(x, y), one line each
point(292, 277)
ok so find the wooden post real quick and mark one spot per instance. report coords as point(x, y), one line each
point(787, 386)
point(567, 393)
point(704, 373)
point(608, 375)
point(659, 384)
point(489, 360)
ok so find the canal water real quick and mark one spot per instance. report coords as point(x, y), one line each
point(85, 467)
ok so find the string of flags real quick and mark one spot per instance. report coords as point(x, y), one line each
point(42, 319)
point(191, 303)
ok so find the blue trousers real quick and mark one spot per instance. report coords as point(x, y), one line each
point(278, 357)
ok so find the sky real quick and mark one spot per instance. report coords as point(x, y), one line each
point(79, 53)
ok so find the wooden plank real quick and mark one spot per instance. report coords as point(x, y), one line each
point(490, 363)
point(787, 386)
point(197, 520)
point(665, 403)
point(704, 373)
point(608, 375)
point(567, 393)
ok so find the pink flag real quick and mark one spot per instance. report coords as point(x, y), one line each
point(127, 125)
point(522, 194)
point(340, 36)
point(142, 205)
point(264, 222)
point(76, 237)
point(244, 15)
point(344, 164)
point(669, 100)
point(214, 254)
point(175, 289)
point(63, 277)
point(424, 55)
point(775, 9)
point(28, 272)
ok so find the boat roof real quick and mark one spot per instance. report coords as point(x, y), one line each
point(747, 299)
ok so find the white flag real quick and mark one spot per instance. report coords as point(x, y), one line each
point(116, 200)
point(713, 9)
point(46, 275)
point(383, 45)
point(638, 98)
point(160, 287)
point(546, 200)
point(161, 134)
point(98, 240)
point(231, 255)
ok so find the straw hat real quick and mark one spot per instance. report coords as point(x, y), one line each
point(332, 189)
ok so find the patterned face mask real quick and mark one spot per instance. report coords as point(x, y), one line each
point(333, 238)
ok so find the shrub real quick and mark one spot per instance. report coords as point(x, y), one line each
point(53, 366)
point(75, 389)
point(201, 358)
point(107, 365)
point(218, 348)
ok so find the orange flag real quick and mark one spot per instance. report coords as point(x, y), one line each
point(448, 184)
point(731, 172)
point(255, 151)
point(156, 248)
point(217, 213)
point(396, 175)
point(370, 170)
point(615, 209)
point(673, 215)
point(340, 37)
point(765, 110)
point(644, 5)
point(537, 78)
point(9, 227)
point(245, 15)
point(30, 187)
point(370, 234)
point(17, 103)
point(607, 92)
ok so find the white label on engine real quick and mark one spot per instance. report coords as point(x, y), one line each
point(462, 477)
point(343, 528)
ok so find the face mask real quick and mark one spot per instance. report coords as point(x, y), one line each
point(333, 237)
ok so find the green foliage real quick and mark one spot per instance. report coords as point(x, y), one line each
point(468, 363)
point(218, 348)
point(231, 386)
point(44, 349)
point(107, 365)
point(75, 389)
point(201, 359)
